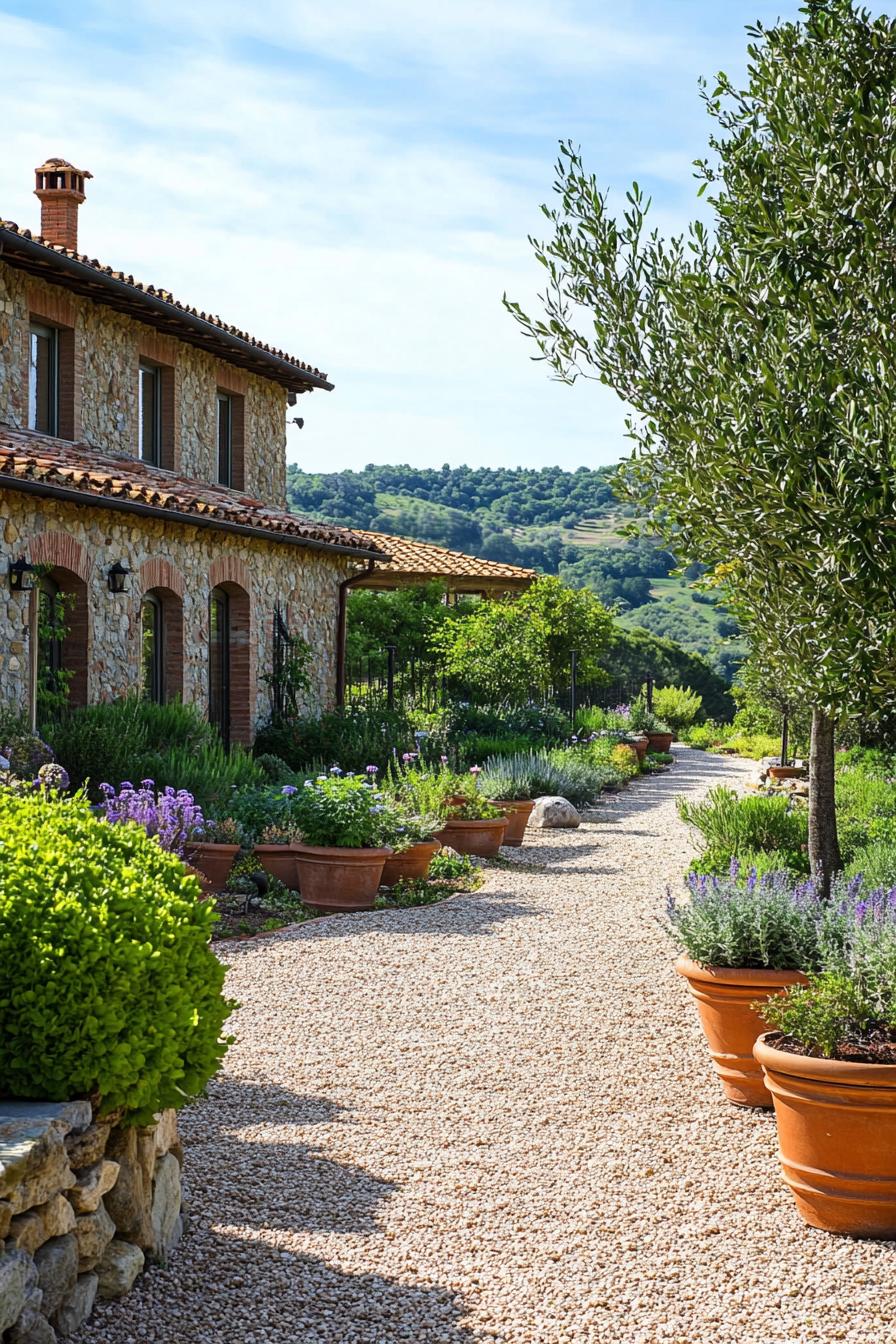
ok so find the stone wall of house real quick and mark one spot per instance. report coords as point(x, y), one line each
point(185, 563)
point(83, 1207)
point(108, 347)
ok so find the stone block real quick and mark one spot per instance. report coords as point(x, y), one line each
point(57, 1271)
point(28, 1231)
point(92, 1183)
point(78, 1305)
point(87, 1148)
point(18, 1279)
point(5, 1217)
point(32, 1327)
point(165, 1135)
point(118, 1269)
point(129, 1202)
point(93, 1232)
point(33, 1160)
point(554, 813)
point(165, 1205)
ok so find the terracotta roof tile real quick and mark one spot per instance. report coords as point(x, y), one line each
point(33, 461)
point(55, 250)
point(421, 558)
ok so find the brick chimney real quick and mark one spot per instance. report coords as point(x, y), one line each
point(59, 187)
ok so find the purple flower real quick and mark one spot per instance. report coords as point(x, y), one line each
point(475, 769)
point(334, 770)
point(172, 816)
point(288, 790)
point(444, 760)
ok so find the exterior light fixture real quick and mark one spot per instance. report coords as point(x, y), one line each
point(20, 573)
point(117, 576)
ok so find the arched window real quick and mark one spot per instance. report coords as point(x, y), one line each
point(219, 663)
point(51, 629)
point(152, 649)
point(59, 667)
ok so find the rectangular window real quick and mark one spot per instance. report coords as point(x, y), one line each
point(149, 414)
point(43, 379)
point(225, 439)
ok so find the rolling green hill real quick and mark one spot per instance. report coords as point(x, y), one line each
point(559, 522)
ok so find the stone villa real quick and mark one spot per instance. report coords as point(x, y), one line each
point(142, 490)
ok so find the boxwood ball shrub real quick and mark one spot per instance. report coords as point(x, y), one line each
point(108, 986)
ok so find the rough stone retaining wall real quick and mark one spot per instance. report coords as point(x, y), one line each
point(83, 1207)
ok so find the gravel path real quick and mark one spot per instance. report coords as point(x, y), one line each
point(494, 1120)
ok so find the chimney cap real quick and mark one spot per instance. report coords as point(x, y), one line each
point(56, 165)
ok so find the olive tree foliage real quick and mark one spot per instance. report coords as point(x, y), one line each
point(756, 354)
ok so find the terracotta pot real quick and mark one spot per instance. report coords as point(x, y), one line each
point(661, 742)
point(213, 861)
point(837, 1139)
point(280, 862)
point(482, 838)
point(518, 814)
point(334, 880)
point(731, 1026)
point(410, 864)
point(785, 772)
point(640, 745)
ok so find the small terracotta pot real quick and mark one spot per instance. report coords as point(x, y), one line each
point(785, 772)
point(334, 880)
point(836, 1138)
point(731, 1026)
point(410, 864)
point(640, 745)
point(280, 862)
point(482, 838)
point(213, 861)
point(660, 742)
point(518, 813)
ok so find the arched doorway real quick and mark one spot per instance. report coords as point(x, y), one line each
point(229, 707)
point(161, 645)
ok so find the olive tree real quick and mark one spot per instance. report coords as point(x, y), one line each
point(756, 355)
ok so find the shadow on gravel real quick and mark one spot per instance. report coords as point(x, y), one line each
point(234, 1279)
point(469, 914)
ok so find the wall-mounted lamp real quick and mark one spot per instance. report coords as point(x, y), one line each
point(20, 572)
point(117, 576)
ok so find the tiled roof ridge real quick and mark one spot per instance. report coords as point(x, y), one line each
point(95, 474)
point(165, 295)
point(473, 565)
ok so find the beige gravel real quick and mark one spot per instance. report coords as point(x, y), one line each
point(494, 1120)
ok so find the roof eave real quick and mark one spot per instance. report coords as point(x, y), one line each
point(79, 498)
point(252, 356)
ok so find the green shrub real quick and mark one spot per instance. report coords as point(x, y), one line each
point(733, 826)
point(108, 986)
point(209, 772)
point(876, 863)
point(702, 736)
point(344, 811)
point(116, 740)
point(735, 921)
point(677, 706)
point(567, 773)
point(822, 1014)
point(352, 738)
point(474, 748)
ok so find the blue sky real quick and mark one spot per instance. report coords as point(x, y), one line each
point(355, 182)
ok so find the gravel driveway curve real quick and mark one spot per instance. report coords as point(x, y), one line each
point(494, 1120)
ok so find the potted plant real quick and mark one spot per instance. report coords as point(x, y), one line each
point(414, 846)
point(213, 849)
point(342, 823)
point(510, 787)
point(743, 939)
point(830, 1065)
point(474, 826)
point(275, 851)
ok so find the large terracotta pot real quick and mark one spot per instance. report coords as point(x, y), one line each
point(213, 861)
point(410, 864)
point(640, 745)
point(280, 862)
point(837, 1139)
point(518, 813)
point(482, 838)
point(661, 742)
point(786, 772)
point(334, 880)
point(731, 1026)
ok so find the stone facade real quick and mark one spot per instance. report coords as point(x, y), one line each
point(107, 349)
point(83, 1206)
point(184, 563)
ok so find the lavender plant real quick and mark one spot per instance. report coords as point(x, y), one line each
point(171, 816)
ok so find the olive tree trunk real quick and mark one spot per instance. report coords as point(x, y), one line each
point(824, 848)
